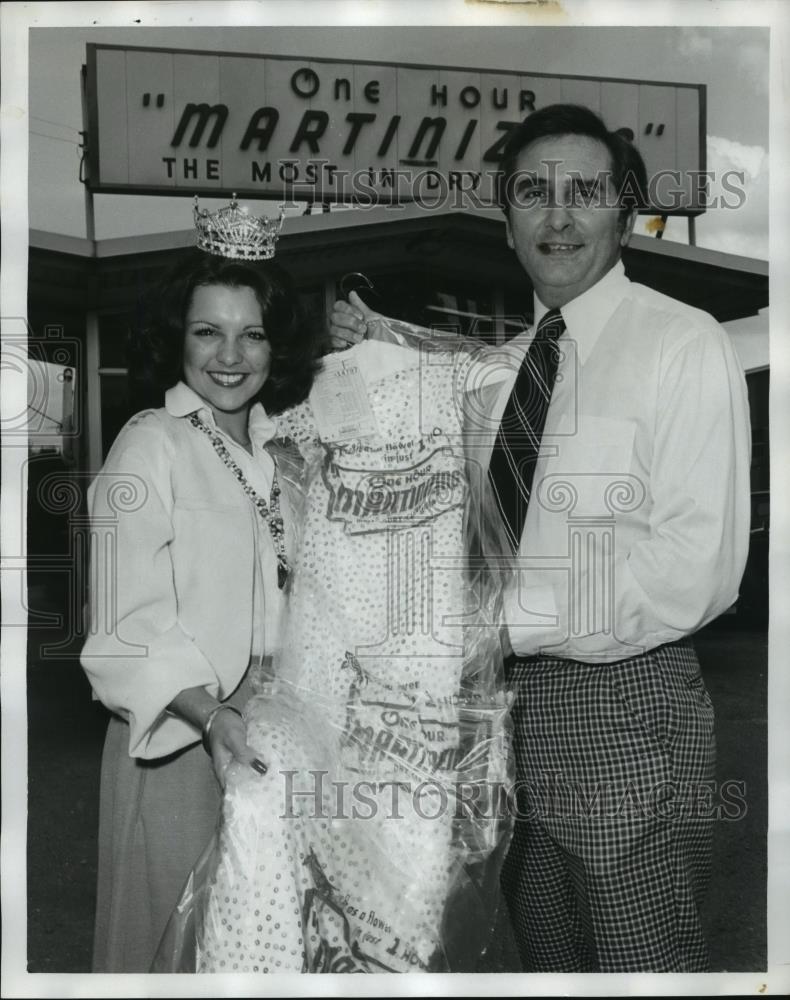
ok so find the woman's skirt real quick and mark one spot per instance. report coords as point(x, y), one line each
point(155, 818)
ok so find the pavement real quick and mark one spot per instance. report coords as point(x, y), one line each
point(66, 729)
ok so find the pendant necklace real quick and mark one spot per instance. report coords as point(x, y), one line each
point(269, 512)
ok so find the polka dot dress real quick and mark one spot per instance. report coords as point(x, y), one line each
point(342, 856)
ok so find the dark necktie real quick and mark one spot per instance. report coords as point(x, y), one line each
point(517, 443)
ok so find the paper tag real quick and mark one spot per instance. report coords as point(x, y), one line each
point(340, 401)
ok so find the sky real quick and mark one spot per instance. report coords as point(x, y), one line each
point(731, 61)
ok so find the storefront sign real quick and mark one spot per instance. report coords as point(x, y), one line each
point(179, 122)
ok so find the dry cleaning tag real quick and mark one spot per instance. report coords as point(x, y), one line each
point(340, 401)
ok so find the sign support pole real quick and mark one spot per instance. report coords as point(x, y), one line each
point(87, 138)
point(92, 379)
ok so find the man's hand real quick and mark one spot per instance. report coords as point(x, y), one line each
point(348, 324)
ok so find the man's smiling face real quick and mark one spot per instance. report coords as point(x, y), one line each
point(565, 235)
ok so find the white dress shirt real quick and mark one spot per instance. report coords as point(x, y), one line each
point(637, 529)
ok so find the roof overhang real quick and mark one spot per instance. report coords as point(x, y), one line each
point(453, 244)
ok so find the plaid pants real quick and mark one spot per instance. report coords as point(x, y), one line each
point(611, 851)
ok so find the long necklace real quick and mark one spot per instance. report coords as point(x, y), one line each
point(269, 512)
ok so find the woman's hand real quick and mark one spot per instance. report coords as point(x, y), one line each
point(348, 324)
point(227, 742)
point(227, 734)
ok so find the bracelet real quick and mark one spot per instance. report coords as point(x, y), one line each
point(206, 732)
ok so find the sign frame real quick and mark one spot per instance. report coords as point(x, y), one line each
point(95, 184)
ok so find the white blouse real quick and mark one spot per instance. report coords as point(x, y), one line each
point(183, 569)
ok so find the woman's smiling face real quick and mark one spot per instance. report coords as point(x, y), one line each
point(227, 355)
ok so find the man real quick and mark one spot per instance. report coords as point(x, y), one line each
point(619, 455)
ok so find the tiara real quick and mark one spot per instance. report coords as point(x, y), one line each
point(232, 232)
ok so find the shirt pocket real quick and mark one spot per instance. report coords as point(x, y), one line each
point(591, 469)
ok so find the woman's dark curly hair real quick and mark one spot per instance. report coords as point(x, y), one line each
point(156, 348)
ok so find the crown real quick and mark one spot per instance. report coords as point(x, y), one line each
point(232, 232)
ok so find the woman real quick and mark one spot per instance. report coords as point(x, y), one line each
point(193, 517)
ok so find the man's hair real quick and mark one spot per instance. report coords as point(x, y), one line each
point(629, 175)
point(156, 348)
